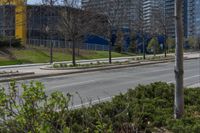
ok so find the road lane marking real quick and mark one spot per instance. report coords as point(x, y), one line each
point(104, 79)
point(195, 76)
point(92, 102)
point(110, 97)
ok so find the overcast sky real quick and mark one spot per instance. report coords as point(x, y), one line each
point(34, 1)
point(37, 1)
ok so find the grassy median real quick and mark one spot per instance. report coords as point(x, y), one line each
point(36, 55)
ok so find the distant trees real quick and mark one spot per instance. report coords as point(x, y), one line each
point(170, 43)
point(139, 27)
point(198, 42)
point(161, 24)
point(133, 43)
point(193, 42)
point(154, 45)
point(119, 42)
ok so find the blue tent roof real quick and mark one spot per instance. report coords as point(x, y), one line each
point(94, 39)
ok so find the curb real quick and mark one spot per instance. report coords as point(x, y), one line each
point(75, 72)
point(89, 70)
point(24, 65)
point(16, 74)
point(92, 67)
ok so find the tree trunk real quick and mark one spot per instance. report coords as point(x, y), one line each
point(143, 45)
point(51, 51)
point(73, 52)
point(154, 49)
point(179, 71)
point(110, 52)
point(165, 43)
point(78, 53)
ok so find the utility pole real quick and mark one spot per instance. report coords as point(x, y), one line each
point(179, 70)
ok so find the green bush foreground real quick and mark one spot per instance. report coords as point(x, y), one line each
point(147, 108)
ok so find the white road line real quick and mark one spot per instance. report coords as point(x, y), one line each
point(109, 98)
point(92, 102)
point(99, 79)
point(75, 83)
point(195, 76)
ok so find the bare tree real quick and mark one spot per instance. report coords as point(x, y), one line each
point(49, 28)
point(198, 41)
point(179, 70)
point(74, 24)
point(116, 12)
point(162, 24)
point(139, 27)
point(170, 42)
point(192, 41)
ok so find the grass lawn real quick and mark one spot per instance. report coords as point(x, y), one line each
point(33, 55)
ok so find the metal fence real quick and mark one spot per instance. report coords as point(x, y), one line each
point(66, 44)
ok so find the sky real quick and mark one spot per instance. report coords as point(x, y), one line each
point(34, 1)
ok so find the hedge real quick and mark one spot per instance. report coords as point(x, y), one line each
point(147, 108)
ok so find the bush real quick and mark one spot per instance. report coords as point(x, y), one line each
point(118, 48)
point(132, 48)
point(7, 42)
point(147, 108)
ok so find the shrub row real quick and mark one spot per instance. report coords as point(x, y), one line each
point(9, 42)
point(147, 108)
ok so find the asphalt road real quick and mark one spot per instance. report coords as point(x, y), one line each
point(94, 86)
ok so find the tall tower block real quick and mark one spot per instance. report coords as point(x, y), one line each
point(20, 18)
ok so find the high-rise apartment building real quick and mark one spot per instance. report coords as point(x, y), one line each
point(169, 15)
point(191, 17)
point(153, 12)
point(197, 17)
point(121, 13)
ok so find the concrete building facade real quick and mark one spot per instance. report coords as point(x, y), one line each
point(153, 12)
point(42, 22)
point(191, 17)
point(197, 17)
point(18, 14)
point(122, 13)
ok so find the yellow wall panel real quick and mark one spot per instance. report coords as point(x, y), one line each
point(20, 18)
